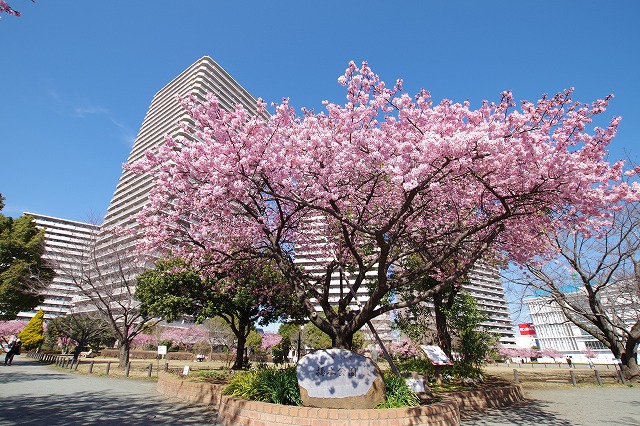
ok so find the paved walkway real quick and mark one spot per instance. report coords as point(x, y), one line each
point(36, 394)
point(592, 406)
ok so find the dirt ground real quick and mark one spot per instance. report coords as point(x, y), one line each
point(530, 376)
point(139, 367)
point(541, 376)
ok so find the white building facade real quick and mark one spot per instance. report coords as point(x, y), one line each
point(164, 117)
point(65, 244)
point(485, 285)
point(555, 331)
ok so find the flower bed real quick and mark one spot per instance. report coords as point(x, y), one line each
point(235, 411)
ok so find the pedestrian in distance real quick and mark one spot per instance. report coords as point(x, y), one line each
point(590, 363)
point(7, 345)
point(14, 349)
point(569, 361)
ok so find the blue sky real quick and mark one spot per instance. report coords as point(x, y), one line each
point(78, 76)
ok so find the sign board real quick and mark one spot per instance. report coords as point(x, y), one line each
point(416, 385)
point(185, 370)
point(162, 350)
point(336, 373)
point(436, 355)
point(527, 329)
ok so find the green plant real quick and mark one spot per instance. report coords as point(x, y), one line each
point(278, 386)
point(280, 351)
point(398, 393)
point(214, 375)
point(463, 371)
point(33, 333)
point(458, 370)
point(474, 344)
point(420, 365)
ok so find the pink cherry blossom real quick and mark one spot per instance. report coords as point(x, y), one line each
point(366, 185)
point(11, 328)
point(269, 340)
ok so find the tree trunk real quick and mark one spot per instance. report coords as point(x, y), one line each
point(123, 353)
point(76, 352)
point(629, 367)
point(342, 341)
point(442, 330)
point(239, 362)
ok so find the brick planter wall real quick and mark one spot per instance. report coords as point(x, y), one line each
point(488, 398)
point(204, 393)
point(235, 411)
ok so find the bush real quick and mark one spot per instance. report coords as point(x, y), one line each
point(419, 365)
point(280, 351)
point(33, 333)
point(278, 386)
point(458, 370)
point(213, 375)
point(398, 393)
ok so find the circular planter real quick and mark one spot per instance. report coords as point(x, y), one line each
point(236, 411)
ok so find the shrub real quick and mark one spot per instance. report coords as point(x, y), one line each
point(33, 333)
point(420, 365)
point(278, 386)
point(214, 375)
point(458, 370)
point(398, 393)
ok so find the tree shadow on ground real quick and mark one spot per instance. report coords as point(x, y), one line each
point(20, 376)
point(528, 412)
point(97, 408)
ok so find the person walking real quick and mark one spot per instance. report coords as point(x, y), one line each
point(569, 361)
point(14, 349)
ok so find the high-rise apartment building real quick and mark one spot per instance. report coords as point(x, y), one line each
point(65, 243)
point(486, 286)
point(163, 119)
point(117, 261)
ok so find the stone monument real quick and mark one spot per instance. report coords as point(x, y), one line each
point(338, 378)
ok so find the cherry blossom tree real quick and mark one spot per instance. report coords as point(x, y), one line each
point(362, 187)
point(507, 352)
point(5, 8)
point(551, 353)
point(269, 340)
point(405, 350)
point(144, 340)
point(589, 353)
point(185, 337)
point(527, 353)
point(11, 328)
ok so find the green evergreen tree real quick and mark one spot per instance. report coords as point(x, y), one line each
point(33, 334)
point(23, 272)
point(473, 343)
point(241, 297)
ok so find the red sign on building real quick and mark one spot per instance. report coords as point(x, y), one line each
point(527, 329)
